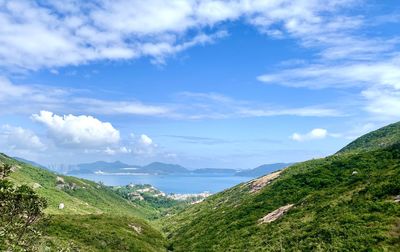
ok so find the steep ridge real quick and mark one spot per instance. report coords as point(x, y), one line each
point(87, 216)
point(377, 139)
point(345, 202)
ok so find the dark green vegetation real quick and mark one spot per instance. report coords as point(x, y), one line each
point(106, 232)
point(20, 211)
point(378, 139)
point(345, 202)
point(94, 217)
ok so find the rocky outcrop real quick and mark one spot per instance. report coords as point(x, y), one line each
point(62, 185)
point(276, 214)
point(257, 184)
point(36, 185)
point(138, 229)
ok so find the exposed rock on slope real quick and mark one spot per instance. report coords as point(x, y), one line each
point(335, 209)
point(258, 184)
point(274, 215)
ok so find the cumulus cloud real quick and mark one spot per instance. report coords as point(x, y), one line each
point(78, 131)
point(115, 30)
point(145, 140)
point(314, 134)
point(141, 145)
point(118, 150)
point(18, 138)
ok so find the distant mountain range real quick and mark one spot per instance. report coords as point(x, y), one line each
point(159, 168)
point(262, 170)
point(111, 167)
point(163, 168)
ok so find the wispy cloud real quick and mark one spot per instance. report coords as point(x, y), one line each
point(346, 56)
point(379, 82)
point(119, 30)
point(29, 99)
point(200, 140)
point(217, 106)
point(120, 107)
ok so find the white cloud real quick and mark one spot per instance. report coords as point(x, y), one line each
point(314, 134)
point(121, 107)
point(379, 81)
point(115, 30)
point(119, 150)
point(27, 99)
point(78, 131)
point(145, 140)
point(9, 90)
point(383, 103)
point(142, 145)
point(217, 106)
point(384, 74)
point(17, 138)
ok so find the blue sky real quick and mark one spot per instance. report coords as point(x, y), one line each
point(230, 84)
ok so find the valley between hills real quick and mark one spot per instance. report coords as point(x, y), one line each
point(348, 201)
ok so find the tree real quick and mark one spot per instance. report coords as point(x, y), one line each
point(20, 211)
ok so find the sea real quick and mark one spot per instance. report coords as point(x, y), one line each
point(176, 183)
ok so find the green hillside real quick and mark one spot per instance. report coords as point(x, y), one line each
point(377, 139)
point(94, 217)
point(339, 203)
point(346, 202)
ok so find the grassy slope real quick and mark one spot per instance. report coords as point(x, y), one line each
point(377, 139)
point(89, 202)
point(334, 210)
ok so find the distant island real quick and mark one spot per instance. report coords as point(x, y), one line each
point(159, 168)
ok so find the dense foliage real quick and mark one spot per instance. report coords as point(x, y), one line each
point(20, 211)
point(93, 216)
point(377, 139)
point(346, 202)
point(342, 203)
point(105, 232)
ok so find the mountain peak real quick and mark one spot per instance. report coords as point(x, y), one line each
point(159, 167)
